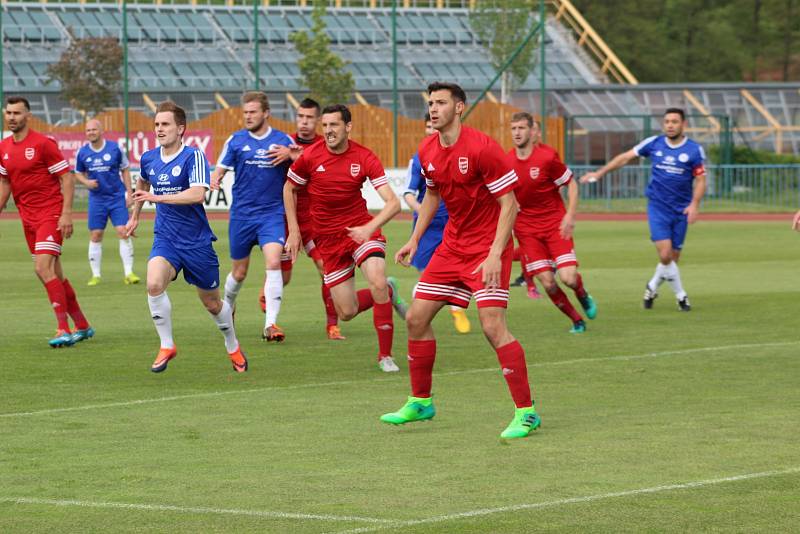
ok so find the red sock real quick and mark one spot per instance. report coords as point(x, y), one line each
point(421, 355)
point(580, 292)
point(55, 292)
point(73, 308)
point(365, 301)
point(529, 281)
point(512, 359)
point(384, 327)
point(561, 301)
point(330, 310)
point(517, 254)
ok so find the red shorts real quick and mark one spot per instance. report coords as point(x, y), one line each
point(546, 252)
point(341, 255)
point(43, 236)
point(449, 277)
point(307, 235)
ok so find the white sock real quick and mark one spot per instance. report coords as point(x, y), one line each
point(658, 277)
point(232, 288)
point(273, 292)
point(161, 312)
point(673, 277)
point(95, 257)
point(126, 253)
point(224, 320)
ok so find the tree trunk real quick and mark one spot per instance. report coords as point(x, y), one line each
point(505, 87)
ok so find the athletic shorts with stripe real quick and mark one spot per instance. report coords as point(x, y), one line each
point(308, 237)
point(546, 252)
point(341, 255)
point(449, 277)
point(43, 236)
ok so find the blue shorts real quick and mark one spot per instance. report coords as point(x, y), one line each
point(431, 239)
point(665, 223)
point(243, 235)
point(100, 210)
point(200, 265)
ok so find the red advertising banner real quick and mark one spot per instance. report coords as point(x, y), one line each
point(140, 142)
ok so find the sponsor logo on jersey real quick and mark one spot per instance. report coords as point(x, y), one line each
point(261, 152)
point(534, 173)
point(355, 168)
point(29, 153)
point(463, 165)
point(106, 157)
point(320, 169)
point(669, 159)
point(176, 170)
point(683, 157)
point(163, 178)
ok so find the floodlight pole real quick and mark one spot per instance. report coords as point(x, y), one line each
point(125, 96)
point(542, 71)
point(256, 65)
point(394, 83)
point(503, 68)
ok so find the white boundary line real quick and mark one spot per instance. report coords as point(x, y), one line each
point(573, 500)
point(349, 382)
point(191, 510)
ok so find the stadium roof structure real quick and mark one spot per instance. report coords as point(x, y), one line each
point(200, 54)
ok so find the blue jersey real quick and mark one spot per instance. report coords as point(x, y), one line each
point(673, 170)
point(103, 165)
point(185, 226)
point(258, 184)
point(416, 186)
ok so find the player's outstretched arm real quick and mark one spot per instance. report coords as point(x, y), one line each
point(290, 207)
point(693, 209)
point(216, 177)
point(68, 192)
point(133, 220)
point(391, 207)
point(619, 161)
point(194, 194)
point(492, 265)
point(796, 222)
point(568, 222)
point(411, 200)
point(90, 184)
point(5, 192)
point(427, 210)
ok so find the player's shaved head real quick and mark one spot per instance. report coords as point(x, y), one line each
point(93, 130)
point(94, 124)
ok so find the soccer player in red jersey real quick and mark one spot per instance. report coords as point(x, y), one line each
point(544, 227)
point(34, 171)
point(345, 233)
point(306, 119)
point(469, 171)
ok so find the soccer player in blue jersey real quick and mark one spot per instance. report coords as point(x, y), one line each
point(677, 185)
point(257, 216)
point(432, 238)
point(103, 168)
point(175, 177)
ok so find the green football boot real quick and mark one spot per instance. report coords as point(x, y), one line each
point(525, 421)
point(415, 409)
point(578, 327)
point(589, 306)
point(398, 303)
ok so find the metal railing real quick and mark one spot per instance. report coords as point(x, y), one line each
point(735, 188)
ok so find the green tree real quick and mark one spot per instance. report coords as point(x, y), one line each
point(89, 73)
point(323, 71)
point(501, 26)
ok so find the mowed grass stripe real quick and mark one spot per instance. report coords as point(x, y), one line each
point(212, 394)
point(575, 500)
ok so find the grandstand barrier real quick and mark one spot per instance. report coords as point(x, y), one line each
point(372, 127)
point(730, 188)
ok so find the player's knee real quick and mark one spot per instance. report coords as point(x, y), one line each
point(44, 271)
point(415, 323)
point(213, 306)
point(346, 314)
point(570, 279)
point(549, 284)
point(379, 289)
point(155, 287)
point(239, 273)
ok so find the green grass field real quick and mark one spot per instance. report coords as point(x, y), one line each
point(652, 421)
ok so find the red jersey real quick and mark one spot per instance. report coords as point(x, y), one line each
point(34, 166)
point(334, 184)
point(303, 201)
point(469, 176)
point(541, 176)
